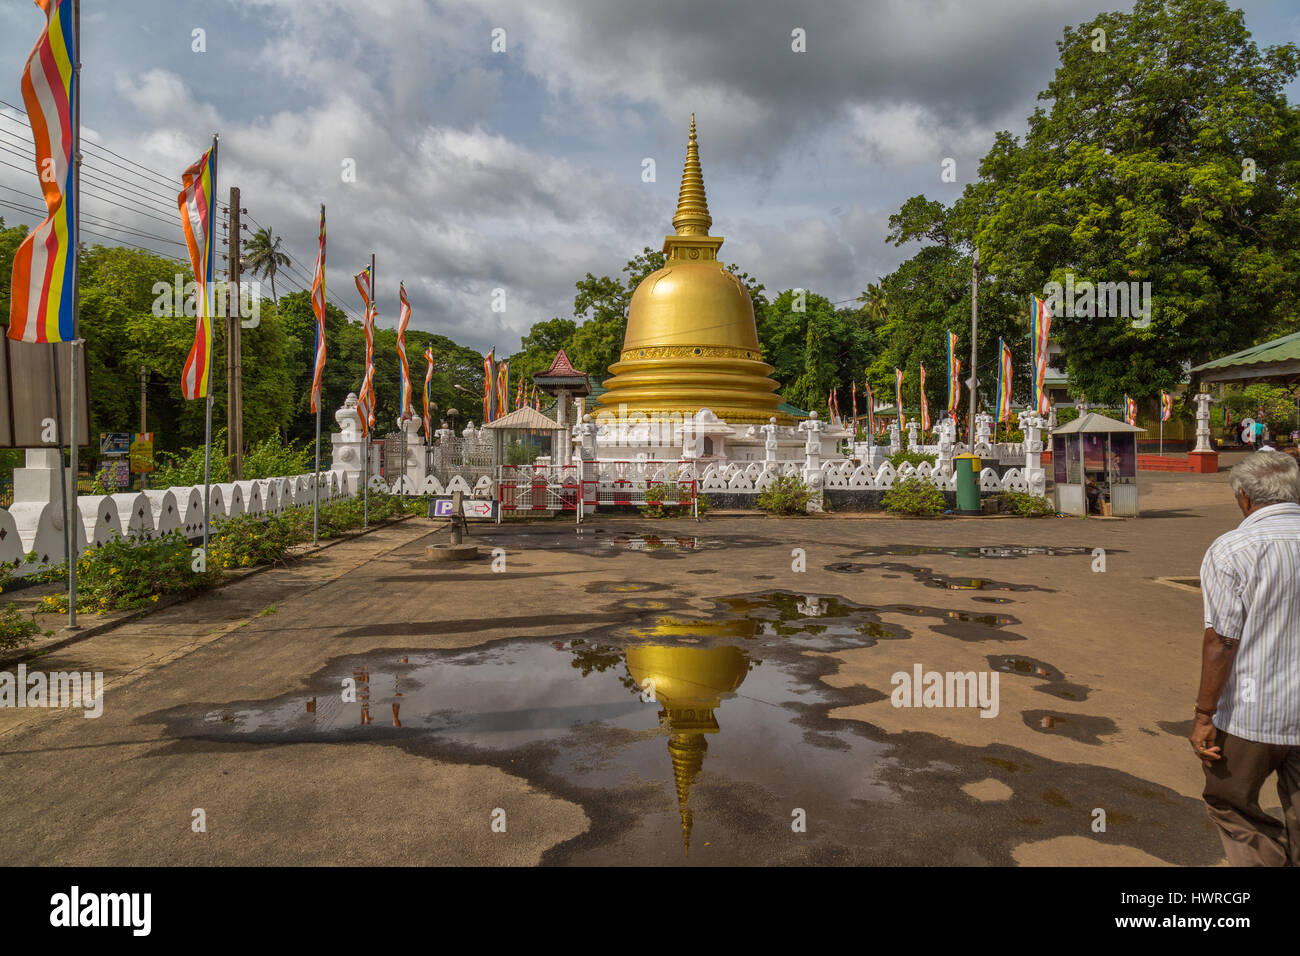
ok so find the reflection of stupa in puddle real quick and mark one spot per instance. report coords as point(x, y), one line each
point(668, 626)
point(689, 683)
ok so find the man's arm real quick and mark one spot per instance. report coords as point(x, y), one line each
point(1217, 654)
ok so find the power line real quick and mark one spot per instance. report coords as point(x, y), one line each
point(108, 222)
point(92, 173)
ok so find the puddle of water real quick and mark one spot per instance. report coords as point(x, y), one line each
point(976, 551)
point(933, 579)
point(1053, 681)
point(685, 739)
point(1081, 727)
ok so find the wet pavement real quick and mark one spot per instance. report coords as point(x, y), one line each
point(721, 707)
point(685, 737)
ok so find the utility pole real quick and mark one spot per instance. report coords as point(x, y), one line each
point(234, 357)
point(144, 380)
point(974, 340)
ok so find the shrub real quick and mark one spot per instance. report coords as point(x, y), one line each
point(132, 572)
point(1026, 505)
point(244, 541)
point(787, 495)
point(666, 500)
point(913, 458)
point(914, 496)
point(17, 629)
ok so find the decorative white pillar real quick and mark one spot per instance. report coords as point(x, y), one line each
point(947, 440)
point(1031, 423)
point(348, 443)
point(1203, 443)
point(769, 441)
point(895, 442)
point(812, 462)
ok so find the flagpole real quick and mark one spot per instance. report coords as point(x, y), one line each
point(76, 309)
point(207, 411)
point(320, 398)
point(365, 486)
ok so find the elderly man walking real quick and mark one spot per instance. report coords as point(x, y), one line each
point(1248, 708)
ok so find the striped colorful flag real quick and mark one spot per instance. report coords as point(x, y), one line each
point(318, 307)
point(1004, 382)
point(197, 203)
point(407, 407)
point(503, 388)
point(925, 406)
point(1227, 416)
point(1130, 411)
point(428, 381)
point(853, 391)
point(954, 373)
point(1040, 328)
point(366, 398)
point(43, 287)
point(489, 386)
point(1166, 406)
point(871, 409)
point(898, 394)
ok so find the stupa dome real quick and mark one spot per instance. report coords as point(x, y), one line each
point(691, 341)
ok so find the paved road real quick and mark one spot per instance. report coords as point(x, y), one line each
point(363, 706)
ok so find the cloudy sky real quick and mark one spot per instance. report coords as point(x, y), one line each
point(523, 169)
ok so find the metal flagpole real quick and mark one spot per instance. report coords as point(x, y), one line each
point(365, 477)
point(315, 503)
point(207, 414)
point(76, 309)
point(63, 475)
point(974, 329)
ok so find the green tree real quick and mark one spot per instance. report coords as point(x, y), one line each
point(1169, 157)
point(10, 240)
point(262, 256)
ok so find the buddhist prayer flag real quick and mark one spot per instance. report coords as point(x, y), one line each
point(853, 391)
point(1004, 382)
point(871, 409)
point(898, 393)
point(318, 307)
point(406, 409)
point(503, 388)
point(1166, 406)
point(489, 386)
point(1040, 321)
point(428, 380)
point(43, 287)
point(954, 374)
point(197, 202)
point(1130, 411)
point(366, 398)
point(925, 406)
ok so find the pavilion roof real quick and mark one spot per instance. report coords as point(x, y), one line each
point(524, 419)
point(1279, 358)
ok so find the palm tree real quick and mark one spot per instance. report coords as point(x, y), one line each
point(874, 301)
point(263, 255)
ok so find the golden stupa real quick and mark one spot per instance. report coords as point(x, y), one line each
point(691, 342)
point(690, 683)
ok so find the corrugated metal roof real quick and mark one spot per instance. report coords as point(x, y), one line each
point(1285, 349)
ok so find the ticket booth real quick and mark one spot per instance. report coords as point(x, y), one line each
point(1094, 464)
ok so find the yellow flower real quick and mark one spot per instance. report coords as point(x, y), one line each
point(112, 570)
point(155, 597)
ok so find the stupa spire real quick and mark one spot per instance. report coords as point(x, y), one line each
point(692, 217)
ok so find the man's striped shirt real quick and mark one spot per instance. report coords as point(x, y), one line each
point(1251, 582)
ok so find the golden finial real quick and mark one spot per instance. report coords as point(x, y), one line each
point(692, 217)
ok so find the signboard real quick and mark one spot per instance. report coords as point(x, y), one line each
point(481, 508)
point(142, 453)
point(27, 404)
point(114, 443)
point(118, 475)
